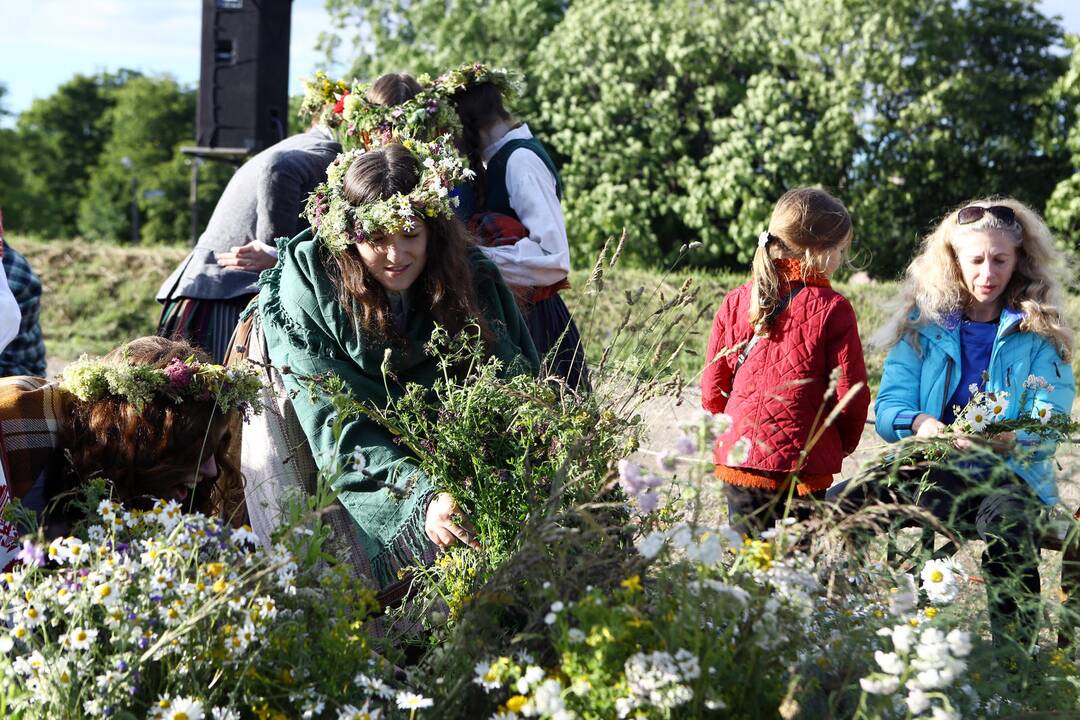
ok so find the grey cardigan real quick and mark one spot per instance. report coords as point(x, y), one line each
point(262, 201)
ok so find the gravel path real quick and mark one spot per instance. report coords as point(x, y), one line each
point(663, 417)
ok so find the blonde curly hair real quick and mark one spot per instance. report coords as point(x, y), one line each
point(934, 288)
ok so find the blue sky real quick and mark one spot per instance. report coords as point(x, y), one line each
point(45, 42)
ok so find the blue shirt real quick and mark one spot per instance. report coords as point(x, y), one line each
point(976, 344)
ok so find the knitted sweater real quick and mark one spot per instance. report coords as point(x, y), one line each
point(307, 330)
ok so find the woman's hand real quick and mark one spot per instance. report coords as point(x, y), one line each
point(252, 257)
point(440, 526)
point(927, 426)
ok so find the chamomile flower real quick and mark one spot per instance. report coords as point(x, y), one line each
point(413, 701)
point(184, 708)
point(939, 581)
point(998, 407)
point(81, 638)
point(1043, 413)
point(977, 418)
point(485, 676)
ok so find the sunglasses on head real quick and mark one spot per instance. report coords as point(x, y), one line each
point(974, 213)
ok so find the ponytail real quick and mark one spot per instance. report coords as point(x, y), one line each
point(764, 288)
point(807, 224)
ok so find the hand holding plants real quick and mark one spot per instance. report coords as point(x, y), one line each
point(441, 527)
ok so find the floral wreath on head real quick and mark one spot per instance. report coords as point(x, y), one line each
point(233, 388)
point(322, 99)
point(469, 74)
point(424, 117)
point(338, 223)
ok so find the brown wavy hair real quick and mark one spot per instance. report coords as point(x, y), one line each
point(445, 287)
point(137, 451)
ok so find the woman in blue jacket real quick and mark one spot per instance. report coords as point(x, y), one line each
point(982, 310)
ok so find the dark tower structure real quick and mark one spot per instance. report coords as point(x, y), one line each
point(244, 75)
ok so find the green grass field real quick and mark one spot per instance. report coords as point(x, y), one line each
point(98, 295)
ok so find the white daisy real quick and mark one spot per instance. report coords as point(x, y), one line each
point(82, 638)
point(977, 418)
point(998, 407)
point(939, 581)
point(412, 701)
point(184, 708)
point(1043, 413)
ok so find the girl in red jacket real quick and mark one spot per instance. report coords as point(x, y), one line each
point(783, 353)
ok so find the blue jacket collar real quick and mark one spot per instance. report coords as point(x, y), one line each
point(1009, 318)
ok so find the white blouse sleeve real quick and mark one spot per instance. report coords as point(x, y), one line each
point(10, 315)
point(543, 258)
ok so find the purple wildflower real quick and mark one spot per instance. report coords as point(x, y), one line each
point(648, 501)
point(31, 554)
point(179, 373)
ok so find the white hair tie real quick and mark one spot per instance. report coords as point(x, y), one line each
point(763, 239)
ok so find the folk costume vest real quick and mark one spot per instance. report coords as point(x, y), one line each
point(497, 200)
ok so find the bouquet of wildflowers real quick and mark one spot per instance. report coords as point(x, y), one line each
point(986, 414)
point(169, 615)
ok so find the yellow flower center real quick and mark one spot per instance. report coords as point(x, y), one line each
point(515, 703)
point(936, 576)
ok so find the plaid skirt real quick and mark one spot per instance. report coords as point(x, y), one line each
point(558, 342)
point(206, 323)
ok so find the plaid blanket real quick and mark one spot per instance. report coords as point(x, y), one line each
point(496, 229)
point(30, 412)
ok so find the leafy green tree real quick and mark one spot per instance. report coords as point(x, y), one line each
point(141, 162)
point(953, 113)
point(1063, 208)
point(12, 198)
point(687, 126)
point(431, 35)
point(58, 141)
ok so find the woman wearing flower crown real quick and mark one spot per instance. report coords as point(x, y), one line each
point(150, 417)
point(981, 312)
point(516, 178)
point(360, 298)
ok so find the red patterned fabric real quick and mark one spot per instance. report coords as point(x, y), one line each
point(782, 388)
point(496, 229)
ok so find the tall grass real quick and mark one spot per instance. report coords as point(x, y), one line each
point(98, 295)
